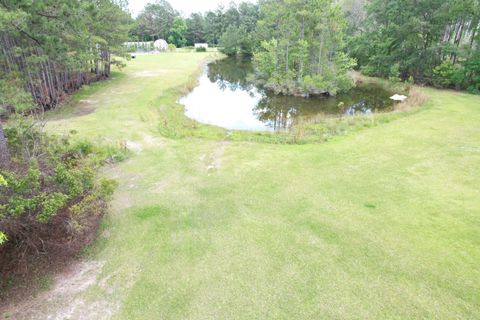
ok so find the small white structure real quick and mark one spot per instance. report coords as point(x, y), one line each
point(160, 45)
point(398, 97)
point(201, 45)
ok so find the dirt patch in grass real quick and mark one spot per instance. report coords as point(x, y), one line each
point(151, 74)
point(25, 272)
point(416, 98)
point(65, 300)
point(214, 160)
point(134, 146)
point(85, 107)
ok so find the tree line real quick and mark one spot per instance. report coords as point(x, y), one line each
point(53, 47)
point(159, 20)
point(433, 42)
point(50, 48)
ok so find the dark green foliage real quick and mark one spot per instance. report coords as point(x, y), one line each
point(195, 29)
point(236, 40)
point(13, 96)
point(50, 48)
point(155, 21)
point(448, 75)
point(472, 73)
point(178, 32)
point(238, 28)
point(160, 20)
point(433, 41)
point(301, 52)
point(201, 49)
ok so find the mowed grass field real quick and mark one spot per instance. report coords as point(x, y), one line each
point(381, 223)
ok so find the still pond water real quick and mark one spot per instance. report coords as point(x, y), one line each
point(226, 97)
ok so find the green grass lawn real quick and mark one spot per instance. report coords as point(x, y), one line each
point(380, 223)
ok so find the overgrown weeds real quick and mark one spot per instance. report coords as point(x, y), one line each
point(415, 99)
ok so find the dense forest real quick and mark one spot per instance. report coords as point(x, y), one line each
point(52, 48)
point(431, 42)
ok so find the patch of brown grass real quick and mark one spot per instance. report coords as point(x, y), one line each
point(416, 98)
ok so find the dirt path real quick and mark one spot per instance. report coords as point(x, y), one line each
point(67, 298)
point(214, 159)
point(82, 291)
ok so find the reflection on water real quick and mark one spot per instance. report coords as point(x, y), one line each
point(227, 97)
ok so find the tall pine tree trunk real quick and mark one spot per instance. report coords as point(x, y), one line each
point(4, 153)
point(302, 38)
point(286, 61)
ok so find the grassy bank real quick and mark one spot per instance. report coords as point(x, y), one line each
point(162, 114)
point(378, 224)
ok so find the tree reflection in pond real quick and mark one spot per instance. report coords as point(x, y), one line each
point(232, 73)
point(228, 97)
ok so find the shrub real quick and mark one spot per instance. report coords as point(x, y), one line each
point(201, 49)
point(50, 199)
point(448, 75)
point(394, 74)
point(171, 47)
point(368, 70)
point(13, 96)
point(472, 73)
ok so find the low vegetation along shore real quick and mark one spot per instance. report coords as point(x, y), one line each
point(382, 223)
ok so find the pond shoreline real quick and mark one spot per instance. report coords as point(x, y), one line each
point(226, 95)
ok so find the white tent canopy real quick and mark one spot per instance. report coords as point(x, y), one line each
point(161, 45)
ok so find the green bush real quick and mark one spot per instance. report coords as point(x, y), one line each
point(201, 49)
point(472, 73)
point(50, 195)
point(448, 75)
point(13, 96)
point(394, 73)
point(368, 70)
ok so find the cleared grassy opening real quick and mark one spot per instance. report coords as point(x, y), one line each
point(379, 224)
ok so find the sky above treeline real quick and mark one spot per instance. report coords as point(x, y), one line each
point(186, 7)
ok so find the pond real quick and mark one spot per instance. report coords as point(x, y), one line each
point(226, 96)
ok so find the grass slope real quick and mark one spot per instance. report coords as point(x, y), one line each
point(380, 224)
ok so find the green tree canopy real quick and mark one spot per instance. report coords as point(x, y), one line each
point(178, 32)
point(301, 51)
point(433, 41)
point(156, 20)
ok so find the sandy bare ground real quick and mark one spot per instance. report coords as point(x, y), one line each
point(67, 298)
